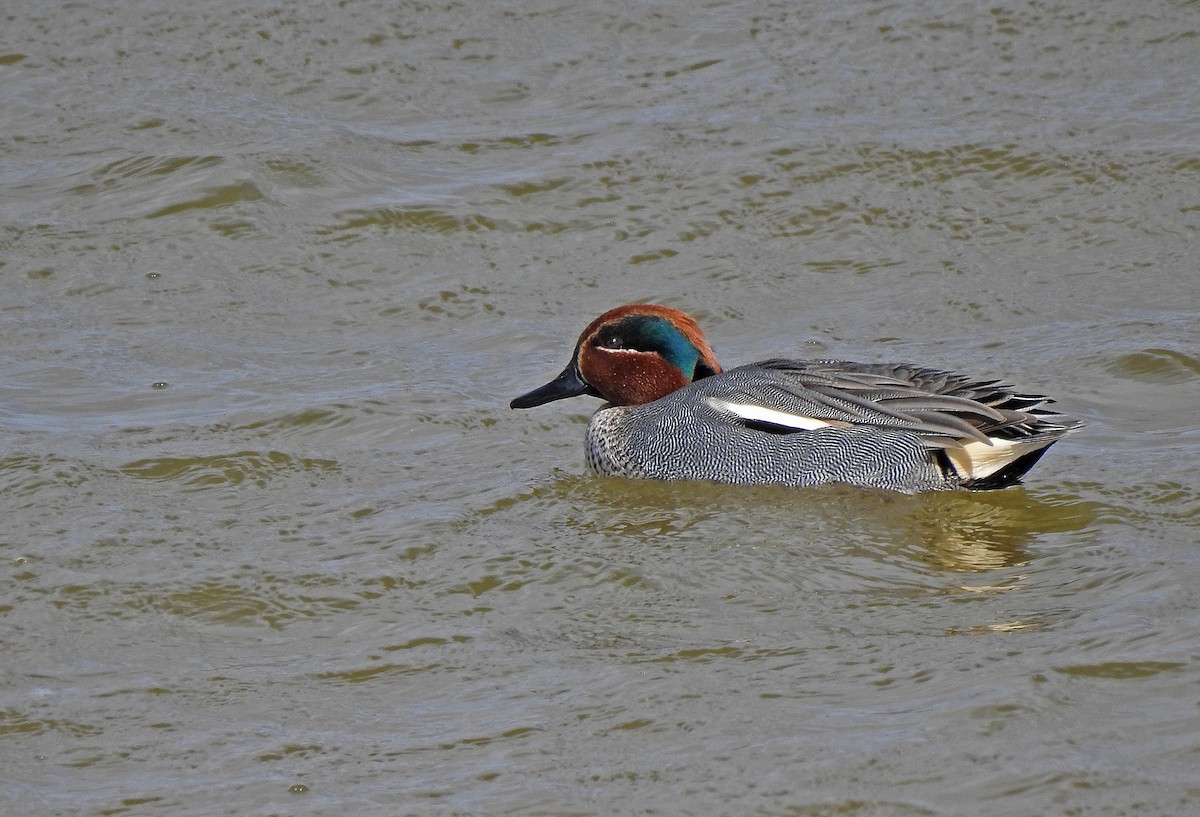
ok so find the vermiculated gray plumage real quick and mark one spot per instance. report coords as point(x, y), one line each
point(894, 426)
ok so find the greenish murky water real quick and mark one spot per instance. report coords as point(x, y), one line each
point(273, 543)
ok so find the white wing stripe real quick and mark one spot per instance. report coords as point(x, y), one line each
point(762, 414)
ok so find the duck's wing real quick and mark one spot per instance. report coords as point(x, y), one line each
point(946, 410)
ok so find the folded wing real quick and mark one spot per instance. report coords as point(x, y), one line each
point(985, 432)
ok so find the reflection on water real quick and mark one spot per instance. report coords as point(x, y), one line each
point(952, 531)
point(983, 531)
point(768, 546)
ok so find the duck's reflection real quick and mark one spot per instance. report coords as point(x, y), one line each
point(950, 531)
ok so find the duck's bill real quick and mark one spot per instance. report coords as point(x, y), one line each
point(567, 384)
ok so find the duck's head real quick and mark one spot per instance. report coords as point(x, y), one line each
point(631, 355)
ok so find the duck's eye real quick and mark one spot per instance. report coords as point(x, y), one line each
point(612, 342)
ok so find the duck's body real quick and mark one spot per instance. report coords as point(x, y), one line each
point(673, 414)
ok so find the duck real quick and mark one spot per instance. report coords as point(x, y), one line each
point(671, 412)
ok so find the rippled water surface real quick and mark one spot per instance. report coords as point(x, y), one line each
point(274, 543)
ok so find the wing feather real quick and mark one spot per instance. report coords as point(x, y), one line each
point(946, 410)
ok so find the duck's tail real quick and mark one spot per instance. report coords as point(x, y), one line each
point(1008, 454)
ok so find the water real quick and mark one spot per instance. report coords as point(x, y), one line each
point(274, 543)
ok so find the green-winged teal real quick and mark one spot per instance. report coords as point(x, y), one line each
point(674, 414)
